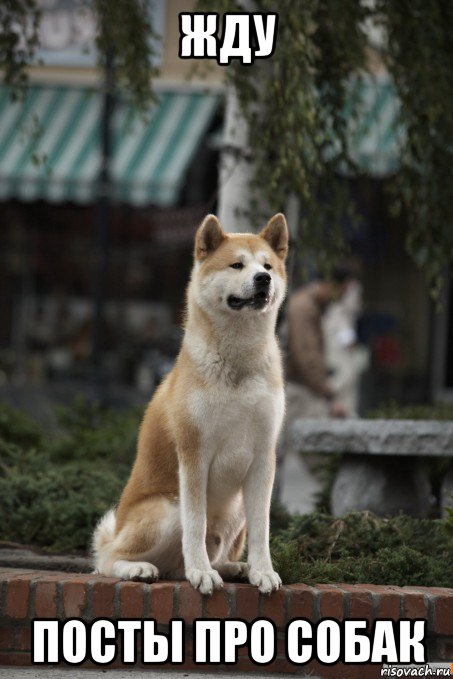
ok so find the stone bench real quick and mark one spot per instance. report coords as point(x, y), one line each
point(380, 470)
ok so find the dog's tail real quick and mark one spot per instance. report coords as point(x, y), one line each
point(102, 543)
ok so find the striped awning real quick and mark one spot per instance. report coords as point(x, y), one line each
point(50, 145)
point(374, 134)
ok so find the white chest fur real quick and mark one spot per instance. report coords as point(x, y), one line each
point(235, 424)
point(239, 409)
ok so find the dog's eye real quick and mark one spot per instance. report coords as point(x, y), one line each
point(237, 265)
point(268, 267)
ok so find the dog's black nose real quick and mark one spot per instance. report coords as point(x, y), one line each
point(262, 279)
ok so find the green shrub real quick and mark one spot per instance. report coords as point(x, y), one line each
point(16, 427)
point(361, 547)
point(280, 517)
point(54, 506)
point(391, 410)
point(90, 432)
point(53, 490)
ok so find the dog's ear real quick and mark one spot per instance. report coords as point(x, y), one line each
point(208, 238)
point(276, 234)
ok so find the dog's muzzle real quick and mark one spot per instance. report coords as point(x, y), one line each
point(260, 298)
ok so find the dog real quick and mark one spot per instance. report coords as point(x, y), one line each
point(205, 463)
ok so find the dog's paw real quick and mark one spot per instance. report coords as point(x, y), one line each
point(135, 570)
point(204, 580)
point(266, 581)
point(237, 570)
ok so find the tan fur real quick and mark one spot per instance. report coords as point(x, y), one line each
point(206, 449)
point(238, 546)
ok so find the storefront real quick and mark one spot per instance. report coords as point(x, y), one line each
point(163, 178)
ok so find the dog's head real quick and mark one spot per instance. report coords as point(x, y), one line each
point(240, 273)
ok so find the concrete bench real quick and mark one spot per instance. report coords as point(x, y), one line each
point(380, 469)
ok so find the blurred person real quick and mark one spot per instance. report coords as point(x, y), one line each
point(309, 391)
point(346, 358)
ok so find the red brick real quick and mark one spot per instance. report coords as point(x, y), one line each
point(17, 596)
point(444, 615)
point(52, 576)
point(132, 600)
point(370, 671)
point(188, 643)
point(360, 601)
point(189, 603)
point(273, 606)
point(243, 652)
point(281, 648)
point(389, 606)
point(15, 659)
point(331, 602)
point(391, 602)
point(302, 599)
point(6, 637)
point(247, 602)
point(103, 601)
point(46, 599)
point(22, 638)
point(74, 598)
point(445, 649)
point(414, 605)
point(85, 578)
point(344, 671)
point(433, 591)
point(161, 605)
point(218, 604)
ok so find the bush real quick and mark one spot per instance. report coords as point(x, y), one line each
point(53, 489)
point(361, 547)
point(94, 434)
point(391, 410)
point(18, 428)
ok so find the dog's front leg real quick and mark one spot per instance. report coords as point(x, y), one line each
point(193, 487)
point(257, 501)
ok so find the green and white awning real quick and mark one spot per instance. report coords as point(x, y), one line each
point(50, 145)
point(50, 142)
point(374, 134)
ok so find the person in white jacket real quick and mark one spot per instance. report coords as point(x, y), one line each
point(346, 359)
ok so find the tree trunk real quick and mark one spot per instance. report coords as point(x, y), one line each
point(236, 169)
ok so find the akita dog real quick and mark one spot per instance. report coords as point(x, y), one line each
point(205, 462)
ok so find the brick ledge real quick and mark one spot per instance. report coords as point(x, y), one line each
point(25, 594)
